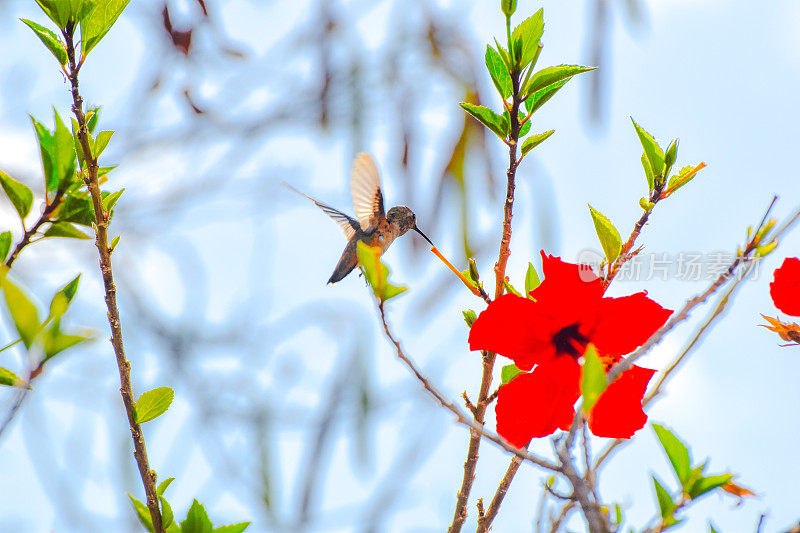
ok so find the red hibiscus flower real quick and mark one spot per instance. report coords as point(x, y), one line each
point(785, 290)
point(551, 332)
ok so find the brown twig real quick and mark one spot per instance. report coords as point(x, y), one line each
point(494, 507)
point(101, 241)
point(461, 417)
point(28, 235)
point(500, 272)
point(556, 525)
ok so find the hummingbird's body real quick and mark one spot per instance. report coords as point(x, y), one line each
point(373, 227)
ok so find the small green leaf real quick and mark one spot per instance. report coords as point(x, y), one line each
point(510, 288)
point(19, 194)
point(114, 243)
point(706, 484)
point(96, 25)
point(608, 235)
point(197, 520)
point(162, 487)
point(468, 278)
point(68, 292)
point(670, 156)
point(711, 528)
point(509, 372)
point(531, 280)
point(526, 127)
point(503, 54)
point(550, 75)
point(528, 34)
point(50, 40)
point(376, 272)
point(593, 378)
point(23, 312)
point(677, 453)
point(143, 513)
point(57, 10)
point(232, 528)
point(65, 229)
point(648, 172)
point(618, 512)
point(110, 200)
point(101, 142)
point(535, 140)
point(665, 504)
point(10, 379)
point(167, 516)
point(498, 71)
point(77, 208)
point(469, 317)
point(488, 118)
point(92, 117)
point(683, 177)
point(540, 97)
point(65, 161)
point(153, 403)
point(54, 341)
point(652, 151)
point(5, 245)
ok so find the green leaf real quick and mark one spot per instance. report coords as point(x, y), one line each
point(92, 117)
point(77, 208)
point(232, 528)
point(670, 156)
point(96, 25)
point(65, 229)
point(68, 293)
point(509, 372)
point(19, 194)
point(469, 317)
point(376, 272)
point(593, 378)
point(57, 10)
point(706, 484)
point(535, 140)
point(153, 403)
point(618, 513)
point(525, 128)
point(652, 151)
point(167, 516)
point(503, 54)
point(143, 513)
point(498, 71)
point(528, 33)
point(162, 487)
point(510, 288)
point(110, 199)
point(683, 177)
point(50, 40)
point(531, 280)
point(488, 118)
point(114, 243)
point(665, 504)
point(550, 75)
point(677, 453)
point(5, 245)
point(540, 97)
point(58, 154)
point(10, 379)
point(101, 142)
point(711, 528)
point(197, 520)
point(54, 341)
point(648, 172)
point(608, 235)
point(23, 312)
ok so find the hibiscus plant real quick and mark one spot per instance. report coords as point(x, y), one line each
point(570, 348)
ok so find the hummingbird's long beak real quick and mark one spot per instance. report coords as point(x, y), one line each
point(423, 235)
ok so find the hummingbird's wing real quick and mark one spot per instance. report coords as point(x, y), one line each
point(348, 224)
point(365, 186)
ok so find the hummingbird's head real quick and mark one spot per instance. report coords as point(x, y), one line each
point(401, 218)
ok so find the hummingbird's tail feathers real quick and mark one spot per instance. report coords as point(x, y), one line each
point(348, 224)
point(347, 262)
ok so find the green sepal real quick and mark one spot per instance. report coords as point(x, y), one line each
point(608, 235)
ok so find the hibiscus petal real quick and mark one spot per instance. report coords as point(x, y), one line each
point(569, 292)
point(514, 327)
point(618, 412)
point(536, 404)
point(625, 323)
point(785, 290)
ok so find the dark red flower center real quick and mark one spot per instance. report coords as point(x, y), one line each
point(569, 341)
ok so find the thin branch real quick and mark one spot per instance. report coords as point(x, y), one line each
point(500, 493)
point(101, 241)
point(461, 417)
point(51, 206)
point(561, 517)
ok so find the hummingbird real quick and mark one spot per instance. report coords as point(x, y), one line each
point(374, 226)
